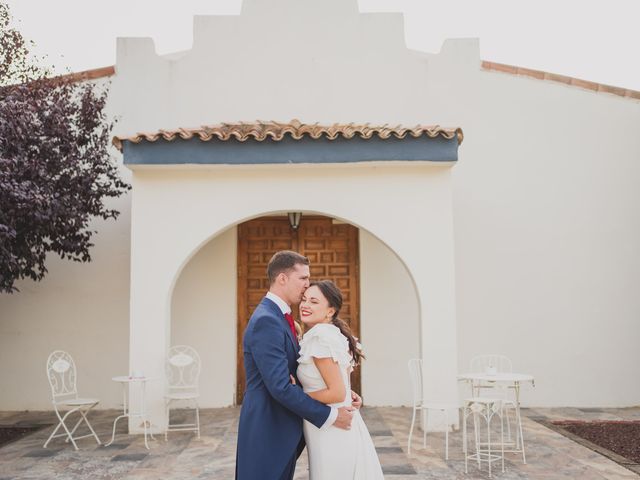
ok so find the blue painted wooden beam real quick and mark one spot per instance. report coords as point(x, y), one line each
point(289, 151)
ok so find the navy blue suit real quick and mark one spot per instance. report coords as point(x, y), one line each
point(270, 431)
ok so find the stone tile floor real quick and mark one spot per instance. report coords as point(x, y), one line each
point(549, 454)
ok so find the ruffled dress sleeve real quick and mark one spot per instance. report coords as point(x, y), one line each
point(324, 341)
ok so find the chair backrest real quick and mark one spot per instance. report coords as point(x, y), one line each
point(486, 363)
point(182, 369)
point(415, 374)
point(61, 372)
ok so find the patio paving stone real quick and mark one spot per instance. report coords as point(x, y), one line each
point(550, 455)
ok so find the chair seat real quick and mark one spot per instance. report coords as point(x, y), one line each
point(78, 402)
point(181, 396)
point(505, 402)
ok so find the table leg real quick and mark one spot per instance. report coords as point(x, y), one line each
point(113, 433)
point(489, 415)
point(519, 420)
point(143, 415)
point(124, 397)
point(146, 444)
point(124, 414)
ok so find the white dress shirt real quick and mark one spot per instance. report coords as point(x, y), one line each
point(285, 308)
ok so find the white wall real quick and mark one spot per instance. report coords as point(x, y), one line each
point(390, 324)
point(82, 308)
point(203, 315)
point(547, 228)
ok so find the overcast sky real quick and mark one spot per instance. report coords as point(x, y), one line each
point(588, 39)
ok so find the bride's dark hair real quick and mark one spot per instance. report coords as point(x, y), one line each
point(334, 296)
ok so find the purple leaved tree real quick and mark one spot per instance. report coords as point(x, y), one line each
point(55, 167)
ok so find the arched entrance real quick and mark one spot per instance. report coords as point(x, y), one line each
point(332, 248)
point(204, 305)
point(217, 201)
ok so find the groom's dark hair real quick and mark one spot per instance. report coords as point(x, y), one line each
point(284, 261)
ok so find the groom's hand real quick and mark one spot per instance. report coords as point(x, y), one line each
point(345, 415)
point(356, 400)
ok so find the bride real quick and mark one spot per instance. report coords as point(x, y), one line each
point(328, 354)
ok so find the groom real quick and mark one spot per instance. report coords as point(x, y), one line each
point(270, 432)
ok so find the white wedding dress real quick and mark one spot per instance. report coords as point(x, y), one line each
point(335, 454)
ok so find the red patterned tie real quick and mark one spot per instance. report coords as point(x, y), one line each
point(289, 318)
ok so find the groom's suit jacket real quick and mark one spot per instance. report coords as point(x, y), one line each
point(270, 429)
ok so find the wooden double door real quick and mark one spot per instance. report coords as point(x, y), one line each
point(332, 249)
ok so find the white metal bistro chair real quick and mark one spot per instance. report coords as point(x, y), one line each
point(183, 373)
point(492, 364)
point(419, 405)
point(61, 372)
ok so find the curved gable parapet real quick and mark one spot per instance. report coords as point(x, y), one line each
point(262, 8)
point(284, 29)
point(284, 62)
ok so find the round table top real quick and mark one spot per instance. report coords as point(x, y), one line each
point(497, 377)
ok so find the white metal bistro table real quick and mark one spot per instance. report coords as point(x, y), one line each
point(125, 380)
point(514, 380)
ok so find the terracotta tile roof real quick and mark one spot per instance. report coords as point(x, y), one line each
point(486, 65)
point(295, 129)
point(91, 74)
point(575, 82)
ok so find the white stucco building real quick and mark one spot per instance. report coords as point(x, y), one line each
point(522, 240)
